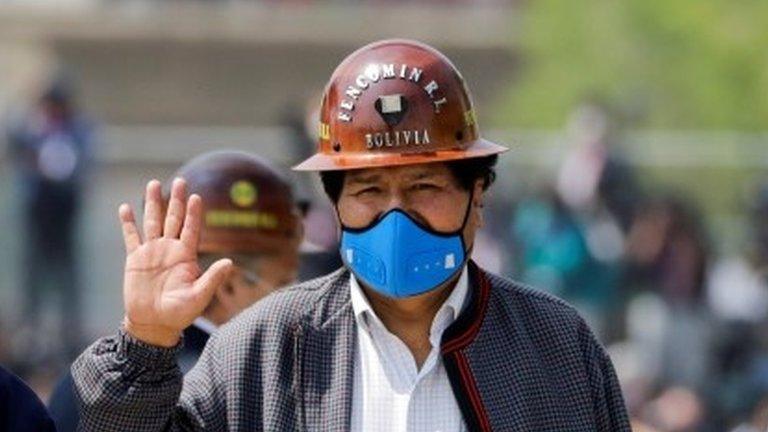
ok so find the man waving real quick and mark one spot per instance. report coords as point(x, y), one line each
point(410, 335)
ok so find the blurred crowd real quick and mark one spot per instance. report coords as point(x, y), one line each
point(684, 326)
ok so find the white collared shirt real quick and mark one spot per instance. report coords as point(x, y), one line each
point(390, 393)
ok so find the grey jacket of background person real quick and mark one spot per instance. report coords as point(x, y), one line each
point(517, 360)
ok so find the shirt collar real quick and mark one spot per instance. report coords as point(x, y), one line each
point(453, 305)
point(205, 325)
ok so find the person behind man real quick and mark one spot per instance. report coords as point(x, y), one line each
point(410, 335)
point(251, 216)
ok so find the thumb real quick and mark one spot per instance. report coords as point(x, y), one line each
point(205, 286)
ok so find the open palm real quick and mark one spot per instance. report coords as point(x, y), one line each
point(163, 289)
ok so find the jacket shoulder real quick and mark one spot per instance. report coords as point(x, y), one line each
point(536, 301)
point(540, 314)
point(542, 323)
point(290, 307)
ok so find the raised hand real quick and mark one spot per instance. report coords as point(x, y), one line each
point(163, 288)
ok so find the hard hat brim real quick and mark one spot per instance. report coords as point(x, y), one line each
point(329, 162)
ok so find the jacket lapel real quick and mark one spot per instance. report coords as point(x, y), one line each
point(325, 349)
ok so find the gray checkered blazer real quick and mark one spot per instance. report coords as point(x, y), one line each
point(517, 359)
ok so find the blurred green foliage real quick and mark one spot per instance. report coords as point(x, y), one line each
point(670, 64)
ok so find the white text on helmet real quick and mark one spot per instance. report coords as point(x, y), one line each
point(396, 138)
point(374, 73)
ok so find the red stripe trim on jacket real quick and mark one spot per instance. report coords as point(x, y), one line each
point(471, 389)
point(457, 337)
point(478, 312)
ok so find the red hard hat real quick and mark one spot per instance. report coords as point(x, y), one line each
point(248, 205)
point(396, 102)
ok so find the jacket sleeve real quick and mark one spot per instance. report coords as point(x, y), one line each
point(123, 384)
point(609, 409)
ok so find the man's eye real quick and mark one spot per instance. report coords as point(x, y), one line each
point(424, 186)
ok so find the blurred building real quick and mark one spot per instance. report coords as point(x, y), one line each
point(169, 80)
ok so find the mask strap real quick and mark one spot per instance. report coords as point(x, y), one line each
point(469, 207)
point(338, 215)
point(467, 248)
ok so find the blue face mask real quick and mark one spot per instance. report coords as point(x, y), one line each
point(399, 257)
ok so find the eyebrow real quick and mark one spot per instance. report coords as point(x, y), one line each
point(424, 175)
point(363, 179)
point(374, 178)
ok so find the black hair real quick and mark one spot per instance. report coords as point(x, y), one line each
point(466, 172)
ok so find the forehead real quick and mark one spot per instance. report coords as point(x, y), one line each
point(403, 173)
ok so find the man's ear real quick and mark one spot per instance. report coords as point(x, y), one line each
point(478, 193)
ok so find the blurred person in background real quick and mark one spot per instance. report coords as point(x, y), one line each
point(676, 409)
point(668, 253)
point(737, 293)
point(51, 148)
point(599, 187)
point(251, 217)
point(571, 236)
point(552, 252)
point(20, 409)
point(738, 285)
point(595, 180)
